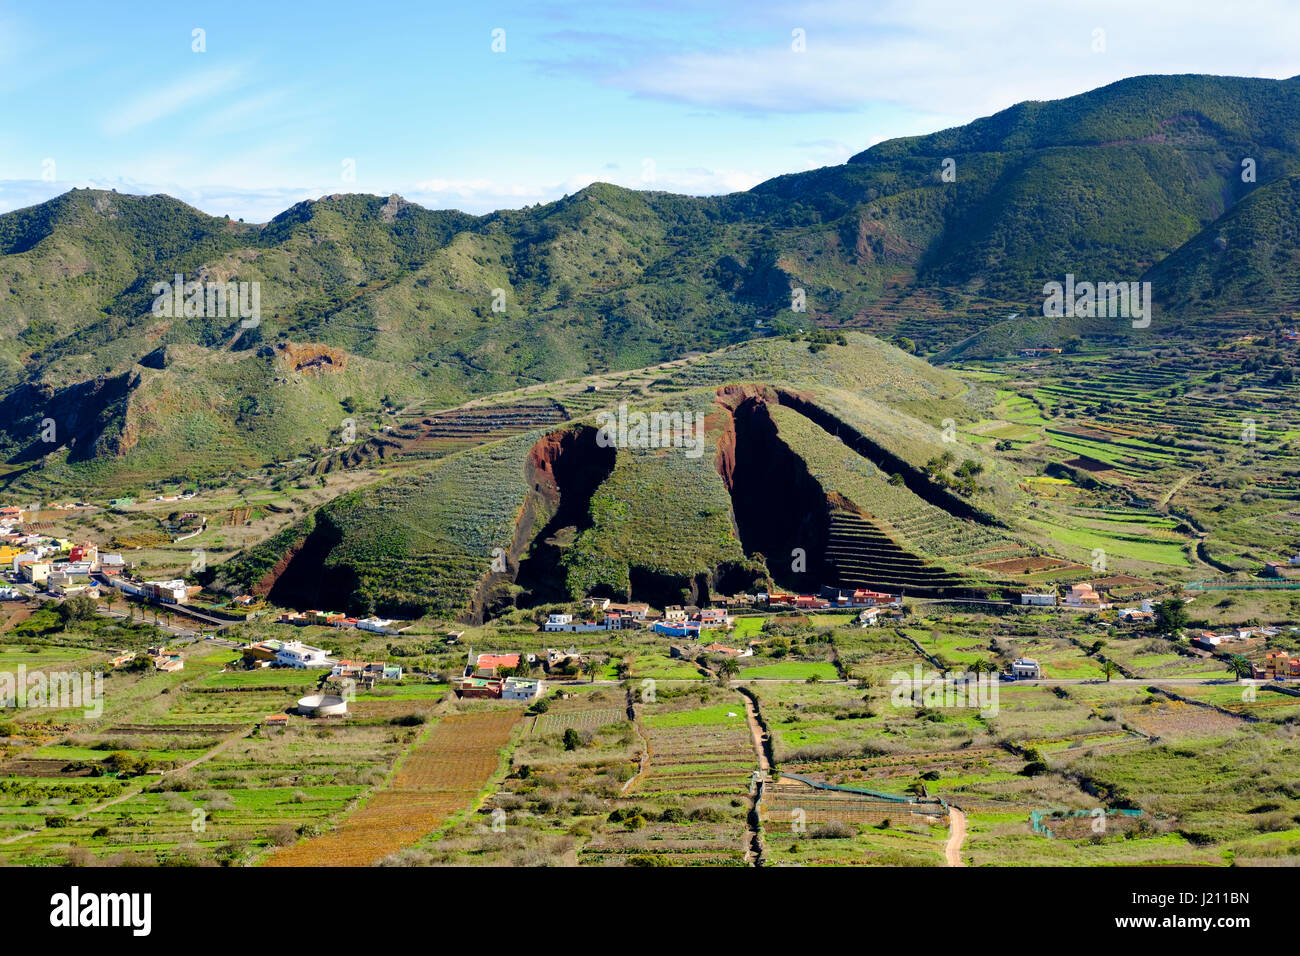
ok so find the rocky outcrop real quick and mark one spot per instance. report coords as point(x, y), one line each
point(564, 470)
point(780, 510)
point(308, 357)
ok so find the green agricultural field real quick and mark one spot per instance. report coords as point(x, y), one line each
point(789, 670)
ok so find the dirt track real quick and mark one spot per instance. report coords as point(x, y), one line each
point(956, 837)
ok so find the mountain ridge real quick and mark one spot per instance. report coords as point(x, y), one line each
point(1132, 181)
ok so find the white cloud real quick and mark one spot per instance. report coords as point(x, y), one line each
point(157, 104)
point(952, 62)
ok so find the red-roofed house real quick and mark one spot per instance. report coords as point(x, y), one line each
point(487, 665)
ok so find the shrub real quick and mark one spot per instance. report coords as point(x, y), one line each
point(283, 834)
point(835, 830)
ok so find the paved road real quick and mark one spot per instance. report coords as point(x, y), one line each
point(1139, 681)
point(1040, 682)
point(175, 629)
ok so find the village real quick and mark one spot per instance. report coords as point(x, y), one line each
point(40, 565)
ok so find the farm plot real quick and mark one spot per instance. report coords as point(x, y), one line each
point(245, 792)
point(1004, 837)
point(1156, 658)
point(1178, 720)
point(441, 775)
point(787, 670)
point(810, 827)
point(1255, 701)
point(810, 722)
point(1034, 714)
point(1120, 546)
point(1229, 796)
point(874, 652)
point(657, 666)
point(594, 797)
point(1036, 568)
point(557, 722)
point(195, 707)
point(688, 807)
point(698, 751)
point(558, 794)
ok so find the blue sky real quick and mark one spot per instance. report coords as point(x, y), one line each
point(684, 96)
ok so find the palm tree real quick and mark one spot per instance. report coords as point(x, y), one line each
point(1109, 669)
point(1239, 666)
point(590, 668)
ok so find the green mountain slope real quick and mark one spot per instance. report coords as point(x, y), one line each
point(1124, 182)
point(1247, 260)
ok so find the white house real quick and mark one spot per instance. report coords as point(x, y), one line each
point(1023, 668)
point(715, 617)
point(380, 625)
point(128, 587)
point(522, 688)
point(298, 654)
point(1039, 600)
point(169, 592)
point(565, 622)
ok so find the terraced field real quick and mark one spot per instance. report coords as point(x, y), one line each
point(862, 556)
point(1205, 437)
point(559, 721)
point(443, 433)
point(224, 786)
point(701, 761)
point(420, 543)
point(703, 751)
point(441, 775)
point(880, 534)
